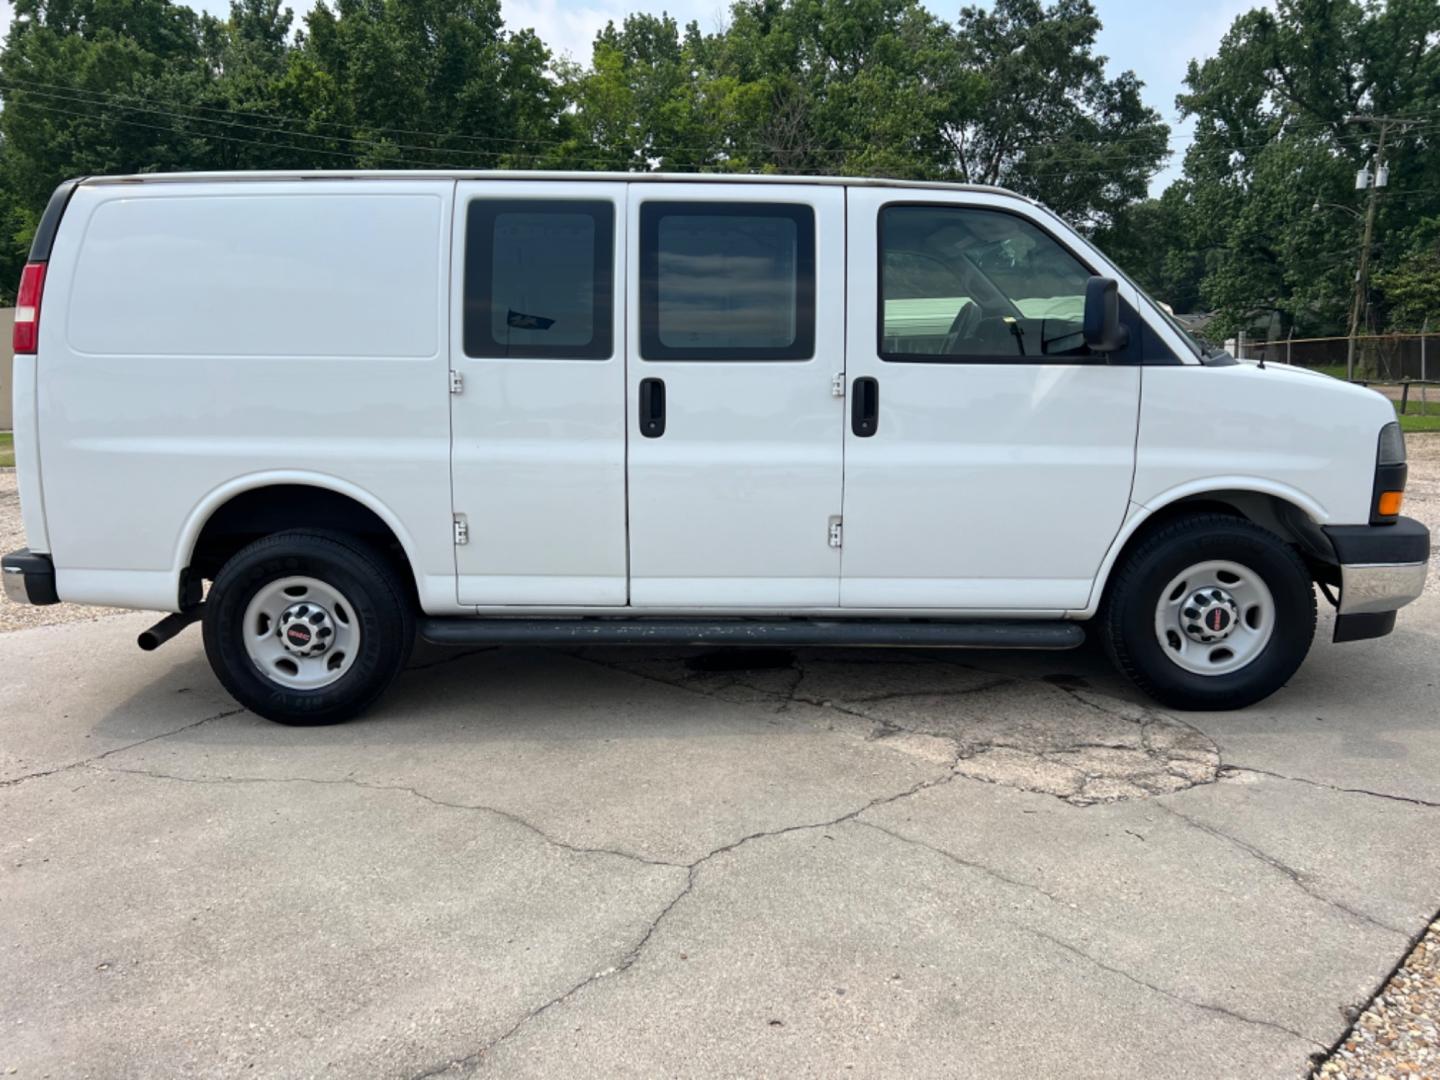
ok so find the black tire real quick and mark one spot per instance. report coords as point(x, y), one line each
point(382, 610)
point(1128, 616)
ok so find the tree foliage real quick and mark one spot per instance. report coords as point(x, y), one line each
point(1265, 225)
point(1012, 95)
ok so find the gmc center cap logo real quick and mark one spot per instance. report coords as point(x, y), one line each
point(1217, 619)
point(298, 634)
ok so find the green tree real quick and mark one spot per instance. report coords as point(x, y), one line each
point(1151, 240)
point(1411, 291)
point(1047, 121)
point(400, 83)
point(1012, 96)
point(1269, 177)
point(77, 77)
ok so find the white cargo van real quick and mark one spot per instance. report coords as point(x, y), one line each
point(583, 408)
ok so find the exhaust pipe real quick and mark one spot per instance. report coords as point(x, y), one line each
point(168, 627)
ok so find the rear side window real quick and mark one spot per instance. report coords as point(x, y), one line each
point(538, 278)
point(727, 281)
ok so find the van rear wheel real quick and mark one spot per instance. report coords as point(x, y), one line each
point(307, 627)
point(1210, 612)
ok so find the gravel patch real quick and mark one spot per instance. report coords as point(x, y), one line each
point(12, 538)
point(1396, 1036)
point(1422, 493)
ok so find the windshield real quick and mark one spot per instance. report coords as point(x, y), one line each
point(1201, 349)
point(1198, 347)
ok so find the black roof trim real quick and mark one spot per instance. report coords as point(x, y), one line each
point(50, 220)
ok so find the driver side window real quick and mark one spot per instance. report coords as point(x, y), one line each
point(960, 284)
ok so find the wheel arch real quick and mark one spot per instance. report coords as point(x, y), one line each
point(1291, 515)
point(250, 507)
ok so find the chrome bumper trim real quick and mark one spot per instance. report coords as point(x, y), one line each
point(1368, 588)
point(15, 585)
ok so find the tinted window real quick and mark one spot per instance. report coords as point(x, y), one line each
point(727, 281)
point(959, 283)
point(538, 278)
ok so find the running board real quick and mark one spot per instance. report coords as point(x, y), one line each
point(895, 633)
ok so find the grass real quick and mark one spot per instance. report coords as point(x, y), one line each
point(7, 449)
point(1414, 422)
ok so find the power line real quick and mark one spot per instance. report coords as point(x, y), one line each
point(188, 111)
point(79, 95)
point(593, 153)
point(582, 150)
point(233, 138)
point(188, 118)
point(27, 84)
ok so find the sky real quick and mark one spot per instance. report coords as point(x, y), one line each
point(1153, 38)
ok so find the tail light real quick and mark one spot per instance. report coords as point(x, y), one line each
point(27, 308)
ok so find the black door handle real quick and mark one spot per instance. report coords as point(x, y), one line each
point(865, 407)
point(652, 408)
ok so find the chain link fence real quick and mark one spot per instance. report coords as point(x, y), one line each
point(1382, 358)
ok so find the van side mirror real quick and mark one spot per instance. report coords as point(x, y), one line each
point(1103, 329)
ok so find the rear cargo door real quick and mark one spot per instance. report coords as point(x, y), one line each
point(538, 393)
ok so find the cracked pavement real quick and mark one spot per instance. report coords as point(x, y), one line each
point(621, 862)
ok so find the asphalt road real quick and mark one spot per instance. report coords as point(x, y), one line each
point(620, 863)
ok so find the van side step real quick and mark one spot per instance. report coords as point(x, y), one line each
point(977, 634)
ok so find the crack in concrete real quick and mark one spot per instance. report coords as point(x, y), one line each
point(988, 871)
point(633, 954)
point(1167, 769)
point(1295, 876)
point(350, 781)
point(1229, 769)
point(118, 749)
point(1219, 1010)
point(900, 695)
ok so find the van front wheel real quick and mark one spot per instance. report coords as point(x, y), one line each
point(1210, 612)
point(307, 627)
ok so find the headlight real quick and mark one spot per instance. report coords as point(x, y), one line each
point(1392, 445)
point(1390, 473)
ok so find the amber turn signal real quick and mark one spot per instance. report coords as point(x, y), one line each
point(1389, 503)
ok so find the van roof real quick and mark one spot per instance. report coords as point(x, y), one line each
point(521, 174)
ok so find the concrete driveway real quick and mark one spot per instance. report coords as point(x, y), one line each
point(624, 863)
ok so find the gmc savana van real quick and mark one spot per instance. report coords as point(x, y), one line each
point(586, 408)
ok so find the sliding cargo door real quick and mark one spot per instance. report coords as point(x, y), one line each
point(538, 393)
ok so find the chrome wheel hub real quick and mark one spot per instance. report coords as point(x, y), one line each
point(306, 629)
point(1211, 615)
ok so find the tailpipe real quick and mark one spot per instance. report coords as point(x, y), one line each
point(168, 627)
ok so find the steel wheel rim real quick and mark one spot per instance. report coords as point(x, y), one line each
point(273, 640)
point(1226, 602)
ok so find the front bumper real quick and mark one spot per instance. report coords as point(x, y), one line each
point(29, 577)
point(1382, 568)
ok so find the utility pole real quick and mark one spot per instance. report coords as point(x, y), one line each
point(1374, 180)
